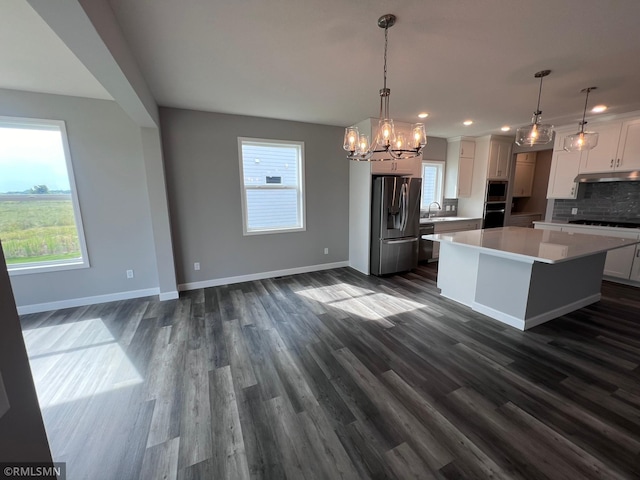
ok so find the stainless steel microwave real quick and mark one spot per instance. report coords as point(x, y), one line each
point(497, 191)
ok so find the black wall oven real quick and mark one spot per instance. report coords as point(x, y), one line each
point(494, 214)
point(496, 191)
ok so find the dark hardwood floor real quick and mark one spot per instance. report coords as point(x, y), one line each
point(336, 375)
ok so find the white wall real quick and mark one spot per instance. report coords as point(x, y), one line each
point(106, 151)
point(203, 182)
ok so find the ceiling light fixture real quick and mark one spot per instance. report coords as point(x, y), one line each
point(506, 128)
point(423, 115)
point(466, 123)
point(582, 140)
point(537, 133)
point(599, 108)
point(385, 140)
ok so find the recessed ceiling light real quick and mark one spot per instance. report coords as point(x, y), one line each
point(467, 122)
point(599, 108)
point(423, 115)
point(506, 128)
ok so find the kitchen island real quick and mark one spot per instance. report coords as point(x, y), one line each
point(521, 276)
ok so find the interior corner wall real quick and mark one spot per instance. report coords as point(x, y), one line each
point(203, 182)
point(106, 152)
point(22, 433)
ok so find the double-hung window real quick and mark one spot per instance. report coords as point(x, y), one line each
point(432, 183)
point(40, 224)
point(272, 180)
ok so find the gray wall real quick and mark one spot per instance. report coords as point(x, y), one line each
point(610, 200)
point(106, 151)
point(22, 434)
point(203, 182)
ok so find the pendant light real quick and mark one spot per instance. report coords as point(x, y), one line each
point(537, 133)
point(581, 140)
point(385, 139)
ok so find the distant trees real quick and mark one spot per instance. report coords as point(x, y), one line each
point(39, 189)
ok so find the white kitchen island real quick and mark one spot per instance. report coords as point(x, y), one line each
point(521, 276)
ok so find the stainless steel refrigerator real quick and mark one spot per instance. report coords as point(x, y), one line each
point(395, 222)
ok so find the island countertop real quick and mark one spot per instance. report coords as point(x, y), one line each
point(529, 245)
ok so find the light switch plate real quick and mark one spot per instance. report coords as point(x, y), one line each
point(574, 211)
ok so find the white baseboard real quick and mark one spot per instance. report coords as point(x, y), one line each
point(531, 322)
point(169, 295)
point(82, 301)
point(216, 282)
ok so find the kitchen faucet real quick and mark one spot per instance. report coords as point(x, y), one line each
point(429, 208)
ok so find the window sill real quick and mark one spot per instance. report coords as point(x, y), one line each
point(280, 230)
point(41, 268)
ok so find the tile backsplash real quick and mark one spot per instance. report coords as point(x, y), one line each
point(602, 201)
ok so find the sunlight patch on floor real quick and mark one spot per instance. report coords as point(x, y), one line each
point(77, 360)
point(360, 302)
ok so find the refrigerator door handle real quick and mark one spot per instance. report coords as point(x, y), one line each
point(403, 240)
point(404, 205)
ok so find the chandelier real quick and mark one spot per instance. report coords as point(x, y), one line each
point(385, 140)
point(581, 140)
point(537, 133)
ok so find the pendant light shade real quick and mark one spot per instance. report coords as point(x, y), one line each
point(385, 140)
point(581, 140)
point(536, 133)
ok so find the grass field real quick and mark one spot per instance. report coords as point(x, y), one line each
point(36, 230)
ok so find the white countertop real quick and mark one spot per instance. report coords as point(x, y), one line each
point(528, 244)
point(446, 219)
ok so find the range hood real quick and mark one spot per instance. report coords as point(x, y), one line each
point(608, 177)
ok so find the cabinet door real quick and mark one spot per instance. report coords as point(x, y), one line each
point(564, 168)
point(465, 173)
point(603, 156)
point(629, 147)
point(635, 267)
point(386, 167)
point(499, 156)
point(523, 182)
point(467, 148)
point(408, 166)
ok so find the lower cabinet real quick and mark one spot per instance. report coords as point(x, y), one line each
point(453, 226)
point(622, 262)
point(523, 220)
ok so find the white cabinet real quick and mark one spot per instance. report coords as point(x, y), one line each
point(622, 262)
point(564, 168)
point(499, 160)
point(453, 226)
point(618, 148)
point(407, 166)
point(523, 178)
point(459, 168)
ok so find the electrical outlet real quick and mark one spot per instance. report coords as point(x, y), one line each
point(196, 266)
point(129, 273)
point(326, 251)
point(453, 208)
point(574, 211)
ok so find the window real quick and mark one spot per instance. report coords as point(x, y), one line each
point(432, 181)
point(272, 176)
point(40, 224)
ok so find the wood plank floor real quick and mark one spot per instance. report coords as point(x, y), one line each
point(335, 375)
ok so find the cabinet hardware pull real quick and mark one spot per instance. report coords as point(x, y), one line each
point(618, 163)
point(611, 163)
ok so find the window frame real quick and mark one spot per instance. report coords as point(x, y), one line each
point(300, 188)
point(439, 188)
point(53, 265)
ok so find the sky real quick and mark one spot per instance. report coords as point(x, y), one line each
point(32, 156)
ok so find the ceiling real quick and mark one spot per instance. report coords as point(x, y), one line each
point(321, 61)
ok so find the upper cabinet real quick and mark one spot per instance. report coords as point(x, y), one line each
point(382, 164)
point(618, 148)
point(459, 168)
point(523, 177)
point(499, 160)
point(565, 166)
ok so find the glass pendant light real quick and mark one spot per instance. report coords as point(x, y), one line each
point(581, 140)
point(537, 133)
point(385, 140)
